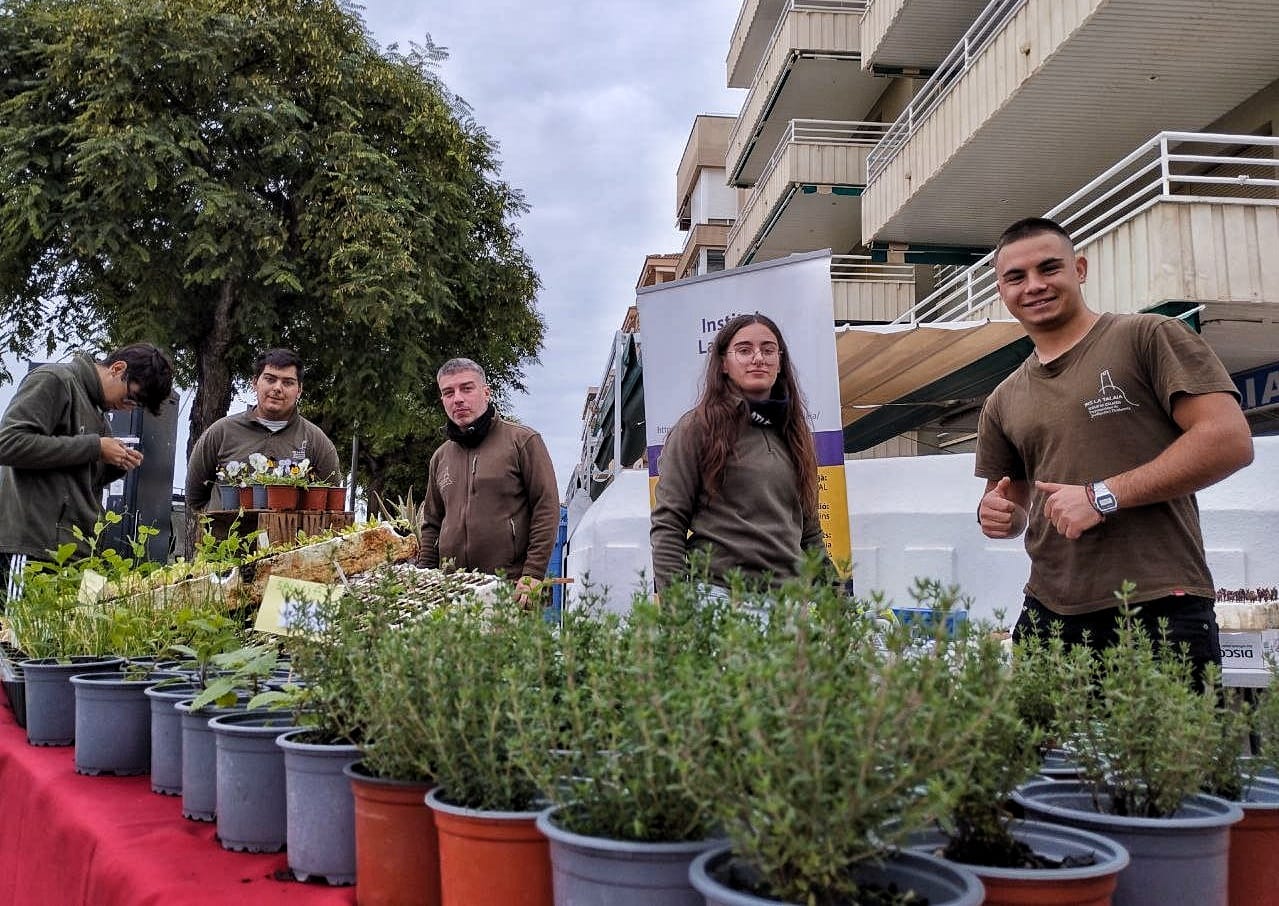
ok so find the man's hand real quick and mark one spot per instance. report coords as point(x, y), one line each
point(526, 592)
point(999, 514)
point(122, 456)
point(1068, 508)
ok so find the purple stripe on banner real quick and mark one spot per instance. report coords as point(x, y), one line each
point(654, 453)
point(830, 447)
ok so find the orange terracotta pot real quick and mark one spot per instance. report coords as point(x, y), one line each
point(1254, 841)
point(246, 498)
point(337, 500)
point(1089, 885)
point(397, 856)
point(282, 497)
point(491, 857)
point(315, 498)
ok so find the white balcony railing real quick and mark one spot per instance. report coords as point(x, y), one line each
point(861, 269)
point(809, 132)
point(856, 7)
point(960, 59)
point(1227, 170)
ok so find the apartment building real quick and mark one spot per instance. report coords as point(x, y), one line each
point(910, 132)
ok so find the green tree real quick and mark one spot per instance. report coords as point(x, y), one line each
point(218, 176)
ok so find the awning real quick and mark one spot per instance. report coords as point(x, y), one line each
point(894, 378)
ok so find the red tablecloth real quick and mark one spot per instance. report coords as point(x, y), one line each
point(68, 840)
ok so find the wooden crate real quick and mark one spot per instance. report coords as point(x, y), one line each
point(285, 526)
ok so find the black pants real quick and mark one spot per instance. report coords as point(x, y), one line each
point(1192, 622)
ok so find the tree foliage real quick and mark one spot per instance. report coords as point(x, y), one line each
point(219, 176)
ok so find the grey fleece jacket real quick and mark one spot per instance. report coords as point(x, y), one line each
point(755, 522)
point(51, 468)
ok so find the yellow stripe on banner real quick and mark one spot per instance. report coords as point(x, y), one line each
point(832, 512)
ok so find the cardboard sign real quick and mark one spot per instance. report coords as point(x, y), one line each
point(292, 605)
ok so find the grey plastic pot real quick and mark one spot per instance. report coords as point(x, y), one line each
point(940, 882)
point(1182, 859)
point(1084, 884)
point(166, 736)
point(259, 496)
point(51, 698)
point(113, 722)
point(199, 760)
point(1059, 764)
point(597, 871)
point(320, 808)
point(250, 780)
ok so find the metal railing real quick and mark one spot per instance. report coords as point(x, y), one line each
point(809, 132)
point(814, 6)
point(1227, 171)
point(822, 6)
point(960, 59)
point(861, 269)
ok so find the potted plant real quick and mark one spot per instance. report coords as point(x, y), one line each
point(1249, 782)
point(452, 673)
point(1145, 739)
point(230, 482)
point(205, 633)
point(822, 743)
point(60, 623)
point(1018, 861)
point(601, 743)
point(284, 480)
point(396, 845)
point(259, 465)
point(227, 684)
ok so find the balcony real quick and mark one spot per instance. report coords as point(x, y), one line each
point(1187, 221)
point(705, 150)
point(808, 69)
point(808, 197)
point(1040, 94)
point(866, 292)
point(755, 23)
point(909, 36)
point(702, 237)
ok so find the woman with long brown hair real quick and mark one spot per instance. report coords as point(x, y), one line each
point(739, 470)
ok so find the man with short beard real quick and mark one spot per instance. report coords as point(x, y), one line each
point(492, 503)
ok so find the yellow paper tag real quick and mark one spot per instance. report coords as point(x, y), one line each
point(290, 605)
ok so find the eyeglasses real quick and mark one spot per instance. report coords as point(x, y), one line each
point(746, 352)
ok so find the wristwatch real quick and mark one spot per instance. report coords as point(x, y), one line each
point(1102, 498)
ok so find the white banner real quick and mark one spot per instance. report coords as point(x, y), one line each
point(678, 323)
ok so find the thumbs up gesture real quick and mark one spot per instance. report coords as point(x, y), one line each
point(999, 513)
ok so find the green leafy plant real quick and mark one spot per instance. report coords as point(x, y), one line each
point(242, 671)
point(601, 734)
point(207, 635)
point(448, 679)
point(826, 736)
point(1145, 732)
point(73, 605)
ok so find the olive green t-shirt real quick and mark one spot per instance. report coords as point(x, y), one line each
point(1100, 409)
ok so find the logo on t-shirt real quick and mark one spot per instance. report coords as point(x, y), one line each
point(1110, 399)
point(445, 481)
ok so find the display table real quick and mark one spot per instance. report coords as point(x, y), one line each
point(68, 840)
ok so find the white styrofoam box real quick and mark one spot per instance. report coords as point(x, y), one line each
point(1242, 649)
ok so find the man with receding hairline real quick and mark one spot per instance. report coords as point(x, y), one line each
point(491, 502)
point(1097, 444)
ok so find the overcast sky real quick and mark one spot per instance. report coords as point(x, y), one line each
point(591, 105)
